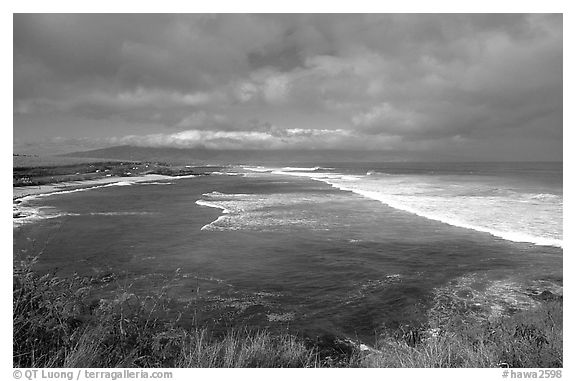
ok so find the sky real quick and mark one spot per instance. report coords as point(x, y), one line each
point(466, 86)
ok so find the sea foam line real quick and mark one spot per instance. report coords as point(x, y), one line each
point(301, 169)
point(213, 205)
point(209, 204)
point(509, 236)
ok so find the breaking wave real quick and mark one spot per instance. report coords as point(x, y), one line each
point(506, 212)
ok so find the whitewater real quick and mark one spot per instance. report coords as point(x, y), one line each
point(481, 203)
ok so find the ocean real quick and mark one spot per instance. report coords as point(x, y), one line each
point(346, 249)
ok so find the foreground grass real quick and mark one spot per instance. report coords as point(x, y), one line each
point(529, 339)
point(56, 325)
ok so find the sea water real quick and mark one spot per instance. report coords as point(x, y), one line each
point(340, 248)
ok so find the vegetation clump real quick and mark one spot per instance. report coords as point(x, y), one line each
point(527, 339)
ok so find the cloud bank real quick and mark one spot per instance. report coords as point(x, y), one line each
point(482, 85)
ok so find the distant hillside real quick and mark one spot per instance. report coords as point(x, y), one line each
point(206, 156)
point(27, 161)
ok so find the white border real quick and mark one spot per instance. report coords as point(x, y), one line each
point(299, 6)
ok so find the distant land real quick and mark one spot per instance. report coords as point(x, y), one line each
point(220, 157)
point(31, 161)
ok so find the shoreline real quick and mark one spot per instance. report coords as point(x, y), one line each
point(48, 178)
point(21, 214)
point(34, 190)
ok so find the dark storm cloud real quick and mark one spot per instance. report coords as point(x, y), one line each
point(319, 81)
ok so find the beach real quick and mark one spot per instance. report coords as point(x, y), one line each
point(36, 177)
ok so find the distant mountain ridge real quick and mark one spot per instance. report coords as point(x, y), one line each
point(209, 156)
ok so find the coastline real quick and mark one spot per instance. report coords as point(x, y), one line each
point(407, 343)
point(34, 190)
point(45, 180)
point(21, 214)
